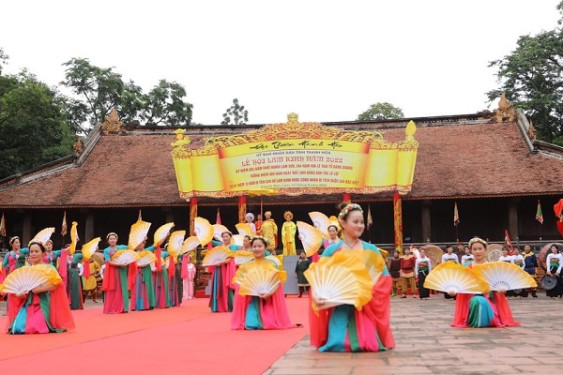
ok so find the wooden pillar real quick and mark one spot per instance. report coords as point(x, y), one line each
point(193, 214)
point(398, 222)
point(426, 221)
point(88, 227)
point(513, 219)
point(26, 230)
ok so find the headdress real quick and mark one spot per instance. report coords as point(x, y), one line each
point(112, 234)
point(13, 239)
point(349, 207)
point(268, 213)
point(477, 240)
point(288, 213)
point(259, 238)
point(250, 214)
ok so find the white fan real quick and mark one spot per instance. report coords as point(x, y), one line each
point(238, 239)
point(260, 281)
point(505, 276)
point(190, 244)
point(124, 258)
point(23, 280)
point(320, 221)
point(145, 258)
point(242, 257)
point(451, 277)
point(215, 256)
point(43, 236)
point(218, 230)
point(244, 229)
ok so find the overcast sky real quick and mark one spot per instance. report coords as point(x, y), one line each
point(325, 60)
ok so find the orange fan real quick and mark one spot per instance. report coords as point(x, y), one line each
point(311, 237)
point(175, 243)
point(161, 234)
point(218, 230)
point(374, 262)
point(43, 236)
point(203, 230)
point(73, 238)
point(190, 244)
point(88, 249)
point(245, 229)
point(138, 234)
point(320, 221)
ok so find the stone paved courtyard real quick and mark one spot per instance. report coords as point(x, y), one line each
point(425, 344)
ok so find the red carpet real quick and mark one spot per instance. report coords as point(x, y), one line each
point(188, 338)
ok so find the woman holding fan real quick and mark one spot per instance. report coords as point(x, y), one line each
point(115, 283)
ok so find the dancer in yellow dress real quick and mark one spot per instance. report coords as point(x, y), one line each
point(288, 234)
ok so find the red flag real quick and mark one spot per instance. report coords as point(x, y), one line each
point(539, 214)
point(369, 219)
point(218, 219)
point(64, 227)
point(456, 215)
point(3, 226)
point(508, 242)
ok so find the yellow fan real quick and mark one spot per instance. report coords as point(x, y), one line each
point(320, 221)
point(175, 243)
point(452, 277)
point(334, 221)
point(88, 249)
point(27, 278)
point(145, 258)
point(245, 229)
point(73, 238)
point(238, 239)
point(203, 230)
point(43, 236)
point(505, 276)
point(124, 258)
point(53, 277)
point(341, 279)
point(242, 256)
point(161, 233)
point(311, 237)
point(138, 234)
point(190, 244)
point(259, 280)
point(384, 253)
point(274, 259)
point(218, 230)
point(215, 256)
point(374, 263)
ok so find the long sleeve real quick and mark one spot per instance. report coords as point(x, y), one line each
point(80, 269)
point(6, 259)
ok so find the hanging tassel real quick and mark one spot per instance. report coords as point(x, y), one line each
point(158, 263)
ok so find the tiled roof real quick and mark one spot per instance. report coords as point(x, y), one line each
point(456, 159)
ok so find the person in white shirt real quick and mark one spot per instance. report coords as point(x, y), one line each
point(554, 262)
point(505, 257)
point(518, 258)
point(449, 256)
point(467, 258)
point(422, 268)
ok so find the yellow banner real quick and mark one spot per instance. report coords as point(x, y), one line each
point(295, 158)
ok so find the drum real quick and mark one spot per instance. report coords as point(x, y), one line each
point(548, 282)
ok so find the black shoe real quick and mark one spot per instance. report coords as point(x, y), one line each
point(534, 295)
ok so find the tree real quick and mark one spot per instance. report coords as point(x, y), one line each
point(235, 114)
point(33, 126)
point(99, 90)
point(531, 76)
point(381, 111)
point(3, 59)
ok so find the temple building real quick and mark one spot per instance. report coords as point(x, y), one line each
point(490, 164)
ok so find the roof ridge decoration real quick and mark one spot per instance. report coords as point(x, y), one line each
point(112, 124)
point(295, 158)
point(505, 111)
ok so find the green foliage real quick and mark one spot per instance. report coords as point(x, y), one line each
point(33, 126)
point(235, 114)
point(381, 111)
point(3, 59)
point(98, 90)
point(532, 78)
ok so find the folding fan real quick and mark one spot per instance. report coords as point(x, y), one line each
point(218, 230)
point(311, 237)
point(245, 229)
point(320, 221)
point(166, 262)
point(161, 233)
point(175, 242)
point(374, 263)
point(215, 256)
point(505, 276)
point(260, 280)
point(203, 230)
point(274, 259)
point(451, 277)
point(43, 236)
point(53, 277)
point(88, 249)
point(124, 258)
point(494, 251)
point(238, 239)
point(145, 258)
point(190, 244)
point(242, 256)
point(25, 279)
point(73, 238)
point(341, 279)
point(138, 234)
